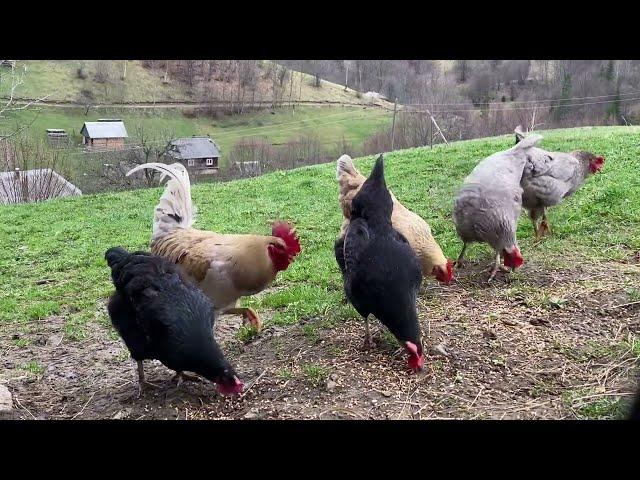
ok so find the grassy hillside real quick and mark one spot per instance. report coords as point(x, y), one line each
point(52, 268)
point(46, 241)
point(59, 80)
point(331, 124)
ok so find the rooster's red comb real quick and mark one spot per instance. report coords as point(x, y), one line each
point(288, 235)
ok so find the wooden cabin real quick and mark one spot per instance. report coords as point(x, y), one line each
point(105, 134)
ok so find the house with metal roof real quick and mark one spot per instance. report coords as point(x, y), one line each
point(104, 134)
point(198, 154)
point(23, 186)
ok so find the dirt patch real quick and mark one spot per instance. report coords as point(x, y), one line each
point(544, 343)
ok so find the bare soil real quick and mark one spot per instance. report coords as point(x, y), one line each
point(546, 343)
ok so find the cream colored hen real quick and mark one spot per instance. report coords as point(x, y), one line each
point(412, 226)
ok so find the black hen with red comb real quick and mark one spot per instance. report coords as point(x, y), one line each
point(161, 316)
point(381, 272)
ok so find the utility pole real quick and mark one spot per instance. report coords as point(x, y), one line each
point(393, 125)
point(300, 93)
point(437, 127)
point(124, 73)
point(430, 134)
point(346, 76)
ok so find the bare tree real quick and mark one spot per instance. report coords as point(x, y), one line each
point(86, 99)
point(9, 84)
point(103, 73)
point(247, 80)
point(106, 170)
point(318, 68)
point(153, 148)
point(32, 172)
point(462, 67)
point(347, 65)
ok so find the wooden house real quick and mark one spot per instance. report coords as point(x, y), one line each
point(105, 134)
point(198, 154)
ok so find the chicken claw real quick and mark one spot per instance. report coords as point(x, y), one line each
point(252, 317)
point(181, 376)
point(544, 229)
point(368, 341)
point(459, 263)
point(142, 383)
point(249, 315)
point(495, 268)
point(144, 386)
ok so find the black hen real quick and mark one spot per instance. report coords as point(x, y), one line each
point(161, 316)
point(381, 273)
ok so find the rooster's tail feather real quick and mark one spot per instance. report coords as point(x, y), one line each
point(175, 209)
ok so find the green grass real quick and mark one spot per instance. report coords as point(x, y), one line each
point(634, 294)
point(246, 333)
point(33, 367)
point(330, 124)
point(58, 79)
point(65, 239)
point(285, 374)
point(595, 408)
point(21, 342)
point(315, 374)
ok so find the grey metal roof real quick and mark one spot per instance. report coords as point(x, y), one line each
point(40, 184)
point(194, 147)
point(104, 130)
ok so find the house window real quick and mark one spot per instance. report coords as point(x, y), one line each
point(191, 162)
point(209, 162)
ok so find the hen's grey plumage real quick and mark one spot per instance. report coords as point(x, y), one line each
point(489, 203)
point(550, 177)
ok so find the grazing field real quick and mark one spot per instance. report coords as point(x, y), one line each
point(556, 339)
point(330, 124)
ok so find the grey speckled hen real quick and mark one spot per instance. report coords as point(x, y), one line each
point(550, 177)
point(489, 203)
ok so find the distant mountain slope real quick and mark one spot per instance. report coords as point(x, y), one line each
point(91, 82)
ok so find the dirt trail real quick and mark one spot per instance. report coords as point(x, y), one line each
point(186, 104)
point(555, 344)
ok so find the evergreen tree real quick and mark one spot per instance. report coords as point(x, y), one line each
point(609, 71)
point(560, 110)
point(614, 108)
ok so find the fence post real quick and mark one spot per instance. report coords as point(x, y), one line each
point(393, 125)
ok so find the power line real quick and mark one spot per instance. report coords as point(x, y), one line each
point(233, 134)
point(622, 100)
point(242, 133)
point(523, 101)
